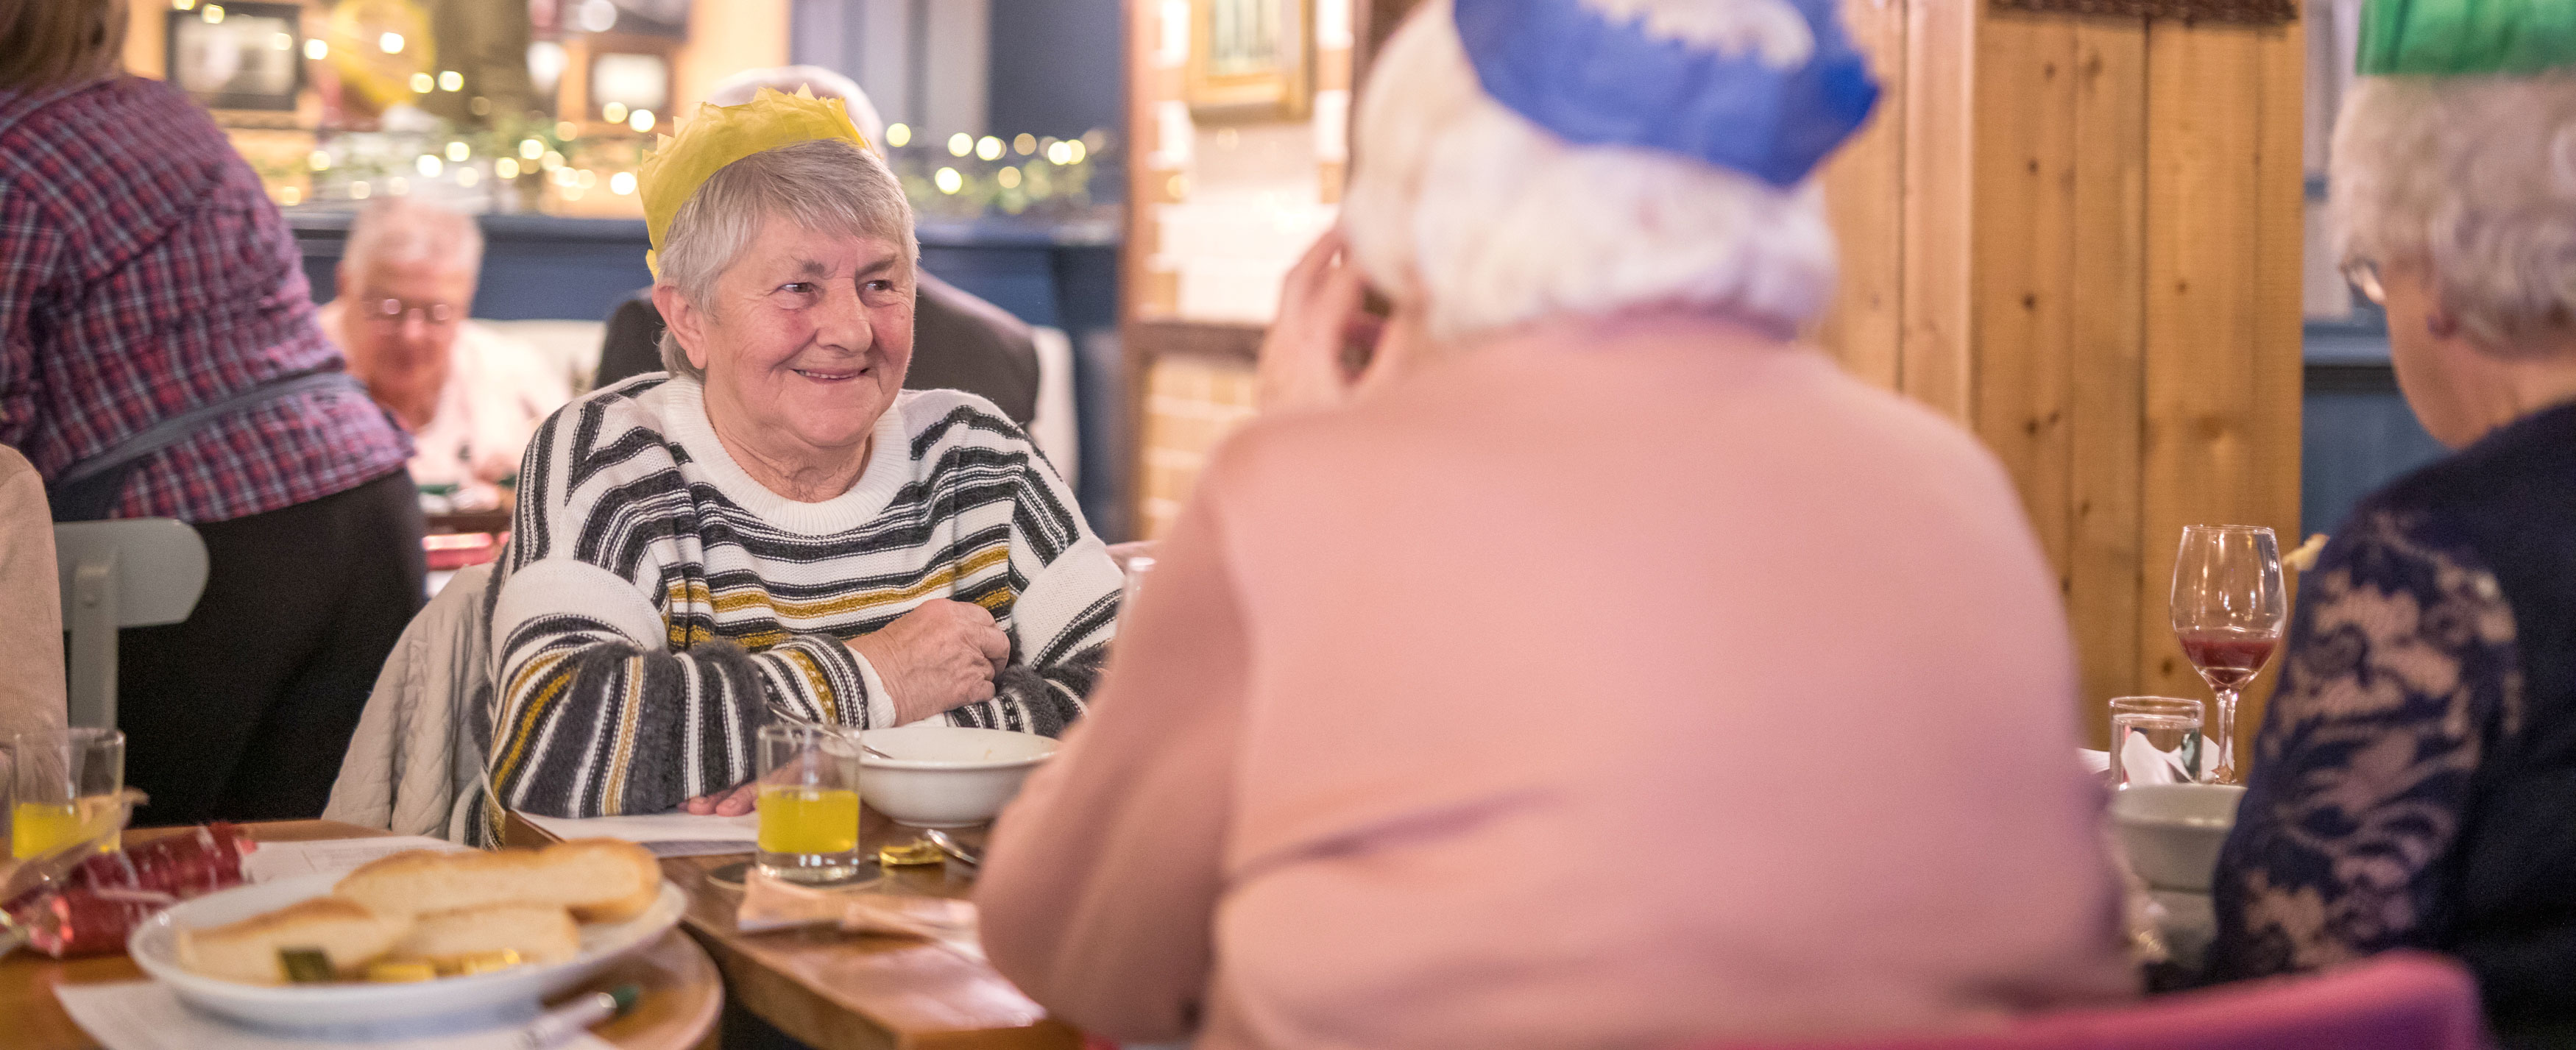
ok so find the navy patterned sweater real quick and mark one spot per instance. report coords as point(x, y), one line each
point(2414, 783)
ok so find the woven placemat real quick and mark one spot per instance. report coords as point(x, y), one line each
point(2259, 12)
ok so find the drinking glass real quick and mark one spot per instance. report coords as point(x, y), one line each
point(809, 802)
point(2228, 610)
point(1135, 563)
point(2154, 740)
point(63, 789)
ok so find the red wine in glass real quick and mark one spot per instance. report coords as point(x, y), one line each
point(2229, 657)
point(2228, 611)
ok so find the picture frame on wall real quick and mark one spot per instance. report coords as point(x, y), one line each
point(237, 55)
point(1250, 60)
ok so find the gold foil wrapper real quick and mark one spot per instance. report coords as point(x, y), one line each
point(919, 851)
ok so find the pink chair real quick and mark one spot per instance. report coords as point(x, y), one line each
point(2398, 1001)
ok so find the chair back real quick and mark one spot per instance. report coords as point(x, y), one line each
point(130, 572)
point(2398, 1001)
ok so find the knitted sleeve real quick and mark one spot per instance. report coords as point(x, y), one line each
point(1061, 609)
point(2401, 663)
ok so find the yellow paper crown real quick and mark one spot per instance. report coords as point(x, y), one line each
point(721, 135)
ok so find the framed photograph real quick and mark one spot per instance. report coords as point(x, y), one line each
point(1250, 60)
point(636, 81)
point(237, 55)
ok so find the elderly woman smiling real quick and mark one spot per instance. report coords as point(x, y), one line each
point(2417, 766)
point(775, 528)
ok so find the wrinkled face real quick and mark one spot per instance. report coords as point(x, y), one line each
point(806, 338)
point(408, 345)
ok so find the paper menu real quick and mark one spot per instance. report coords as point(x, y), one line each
point(666, 834)
point(142, 1015)
point(286, 860)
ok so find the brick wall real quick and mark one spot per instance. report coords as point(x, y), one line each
point(1191, 403)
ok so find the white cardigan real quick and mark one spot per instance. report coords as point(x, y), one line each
point(413, 767)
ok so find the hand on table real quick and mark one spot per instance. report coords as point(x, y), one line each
point(1320, 313)
point(940, 655)
point(731, 802)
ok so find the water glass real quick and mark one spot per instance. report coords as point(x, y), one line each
point(2155, 740)
point(1135, 563)
point(64, 788)
point(809, 802)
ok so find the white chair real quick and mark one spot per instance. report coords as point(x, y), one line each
point(1057, 428)
point(132, 572)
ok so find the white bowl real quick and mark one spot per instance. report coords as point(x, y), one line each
point(947, 776)
point(360, 1011)
point(2172, 832)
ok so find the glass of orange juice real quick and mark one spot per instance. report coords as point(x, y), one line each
point(809, 802)
point(63, 788)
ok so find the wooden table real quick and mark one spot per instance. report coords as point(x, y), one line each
point(682, 995)
point(835, 991)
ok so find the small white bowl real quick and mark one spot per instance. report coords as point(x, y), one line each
point(947, 776)
point(2172, 832)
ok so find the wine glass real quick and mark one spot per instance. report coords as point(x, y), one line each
point(2228, 611)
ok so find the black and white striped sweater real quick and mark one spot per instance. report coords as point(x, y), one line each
point(656, 603)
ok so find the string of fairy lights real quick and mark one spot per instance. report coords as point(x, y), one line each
point(562, 160)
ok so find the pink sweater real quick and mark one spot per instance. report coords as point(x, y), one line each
point(1611, 685)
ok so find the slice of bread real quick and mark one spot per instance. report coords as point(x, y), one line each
point(601, 880)
point(344, 931)
point(540, 933)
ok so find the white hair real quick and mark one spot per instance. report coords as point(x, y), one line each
point(1497, 222)
point(740, 87)
point(399, 231)
point(2475, 177)
point(824, 185)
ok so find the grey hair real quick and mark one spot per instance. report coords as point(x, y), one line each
point(1501, 222)
point(740, 87)
point(2474, 177)
point(823, 185)
point(404, 230)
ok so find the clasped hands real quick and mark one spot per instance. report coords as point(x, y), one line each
point(942, 655)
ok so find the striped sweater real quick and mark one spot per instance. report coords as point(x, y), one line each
point(656, 605)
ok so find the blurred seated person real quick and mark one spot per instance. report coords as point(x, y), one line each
point(959, 342)
point(470, 396)
point(769, 527)
point(1603, 667)
point(2416, 769)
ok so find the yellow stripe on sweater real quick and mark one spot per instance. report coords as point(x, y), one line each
point(528, 715)
point(827, 608)
point(612, 804)
point(806, 665)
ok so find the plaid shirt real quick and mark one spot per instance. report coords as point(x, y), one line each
point(144, 272)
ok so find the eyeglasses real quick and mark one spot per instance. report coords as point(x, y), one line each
point(2364, 275)
point(391, 312)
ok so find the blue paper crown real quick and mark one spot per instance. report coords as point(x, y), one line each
point(1598, 82)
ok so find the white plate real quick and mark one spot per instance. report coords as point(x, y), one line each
point(447, 1004)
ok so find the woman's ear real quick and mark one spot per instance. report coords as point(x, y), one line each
point(687, 323)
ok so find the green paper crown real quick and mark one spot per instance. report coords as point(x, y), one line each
point(2467, 37)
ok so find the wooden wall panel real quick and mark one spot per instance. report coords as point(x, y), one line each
point(2023, 284)
point(1864, 196)
point(1938, 225)
point(2098, 240)
point(2223, 370)
point(2106, 399)
point(2058, 262)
